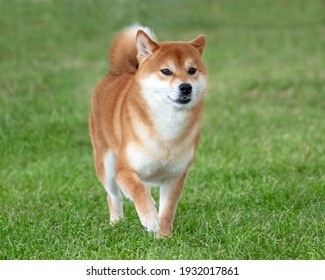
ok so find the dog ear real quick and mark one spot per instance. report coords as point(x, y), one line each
point(199, 43)
point(145, 46)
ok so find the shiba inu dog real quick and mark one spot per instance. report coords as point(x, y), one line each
point(145, 123)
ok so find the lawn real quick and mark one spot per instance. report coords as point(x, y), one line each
point(256, 189)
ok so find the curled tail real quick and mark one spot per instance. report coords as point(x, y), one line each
point(123, 53)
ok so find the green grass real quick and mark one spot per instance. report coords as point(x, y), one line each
point(257, 187)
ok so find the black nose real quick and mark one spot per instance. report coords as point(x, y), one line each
point(185, 88)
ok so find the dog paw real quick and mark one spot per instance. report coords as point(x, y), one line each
point(161, 234)
point(151, 223)
point(115, 218)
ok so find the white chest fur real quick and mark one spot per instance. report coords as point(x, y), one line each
point(154, 169)
point(164, 151)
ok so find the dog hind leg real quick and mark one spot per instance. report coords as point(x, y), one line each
point(114, 196)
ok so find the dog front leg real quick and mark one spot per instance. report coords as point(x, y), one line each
point(168, 201)
point(134, 188)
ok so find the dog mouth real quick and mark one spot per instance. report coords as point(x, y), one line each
point(181, 100)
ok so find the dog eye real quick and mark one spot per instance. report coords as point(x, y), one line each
point(192, 71)
point(166, 72)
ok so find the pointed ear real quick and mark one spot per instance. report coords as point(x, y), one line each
point(199, 43)
point(145, 46)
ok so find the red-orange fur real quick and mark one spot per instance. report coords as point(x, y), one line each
point(118, 107)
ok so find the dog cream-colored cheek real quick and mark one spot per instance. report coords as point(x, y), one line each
point(153, 83)
point(201, 84)
point(154, 90)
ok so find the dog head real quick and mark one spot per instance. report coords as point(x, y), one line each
point(171, 73)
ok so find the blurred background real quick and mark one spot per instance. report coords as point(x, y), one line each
point(257, 187)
